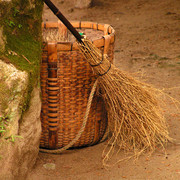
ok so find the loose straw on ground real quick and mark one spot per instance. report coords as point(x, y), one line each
point(135, 120)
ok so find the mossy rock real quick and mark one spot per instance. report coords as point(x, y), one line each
point(21, 30)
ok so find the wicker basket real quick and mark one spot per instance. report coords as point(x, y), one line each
point(66, 82)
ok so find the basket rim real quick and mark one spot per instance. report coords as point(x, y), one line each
point(109, 33)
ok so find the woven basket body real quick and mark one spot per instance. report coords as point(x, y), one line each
point(66, 82)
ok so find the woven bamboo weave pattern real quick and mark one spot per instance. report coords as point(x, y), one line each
point(66, 82)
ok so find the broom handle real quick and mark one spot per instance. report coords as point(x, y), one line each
point(56, 11)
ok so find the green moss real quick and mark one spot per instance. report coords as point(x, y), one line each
point(22, 29)
point(3, 124)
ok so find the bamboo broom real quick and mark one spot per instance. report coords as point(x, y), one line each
point(135, 119)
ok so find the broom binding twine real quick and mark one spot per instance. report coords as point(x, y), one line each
point(105, 71)
point(97, 59)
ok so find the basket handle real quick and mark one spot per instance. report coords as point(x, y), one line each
point(56, 11)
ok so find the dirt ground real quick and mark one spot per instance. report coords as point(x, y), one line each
point(148, 43)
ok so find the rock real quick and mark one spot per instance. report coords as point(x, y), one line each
point(30, 130)
point(2, 40)
point(13, 87)
point(19, 145)
point(49, 166)
point(83, 3)
point(61, 1)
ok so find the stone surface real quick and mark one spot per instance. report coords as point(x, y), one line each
point(13, 86)
point(83, 3)
point(2, 40)
point(49, 166)
point(30, 130)
point(19, 145)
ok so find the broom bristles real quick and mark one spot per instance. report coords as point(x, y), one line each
point(135, 119)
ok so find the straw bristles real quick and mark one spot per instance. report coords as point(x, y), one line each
point(135, 119)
